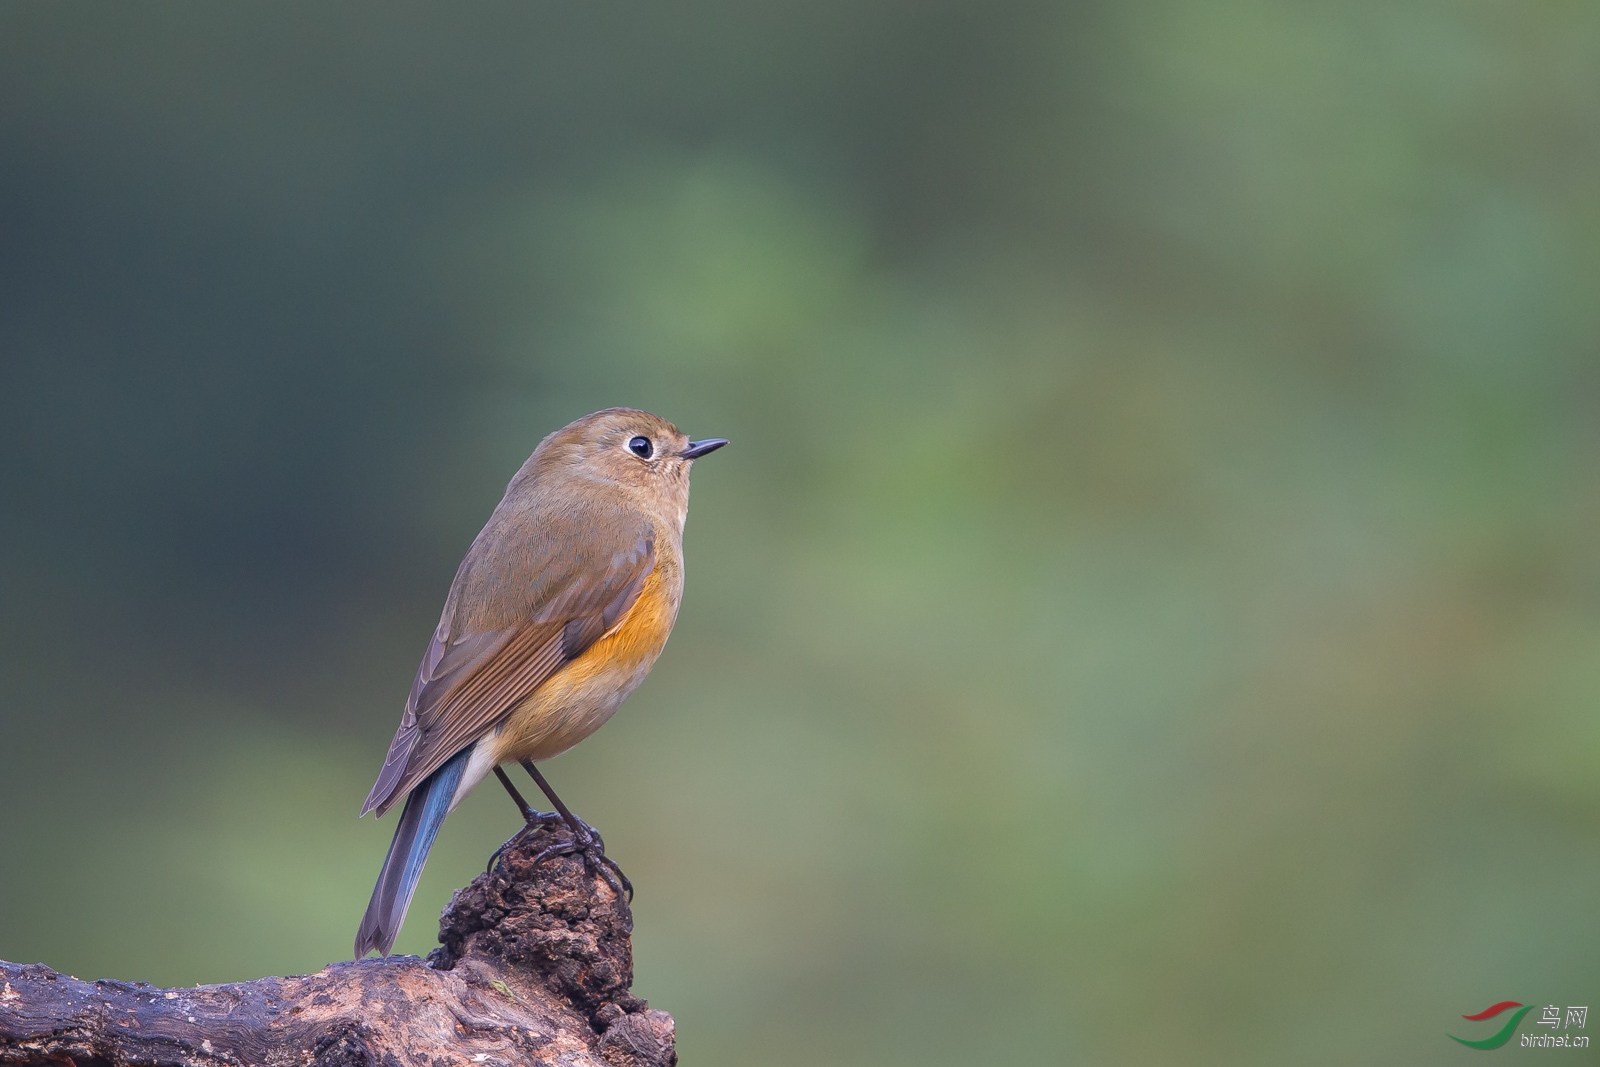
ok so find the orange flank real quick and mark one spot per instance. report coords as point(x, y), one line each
point(577, 700)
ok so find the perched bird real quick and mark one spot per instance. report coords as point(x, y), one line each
point(556, 614)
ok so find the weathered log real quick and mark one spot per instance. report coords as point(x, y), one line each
point(534, 967)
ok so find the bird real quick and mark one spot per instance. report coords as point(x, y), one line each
point(557, 612)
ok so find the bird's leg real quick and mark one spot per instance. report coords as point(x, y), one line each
point(580, 829)
point(528, 815)
point(531, 818)
point(586, 839)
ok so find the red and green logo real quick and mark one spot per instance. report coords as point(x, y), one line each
point(1501, 1036)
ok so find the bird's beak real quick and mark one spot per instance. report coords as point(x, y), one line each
point(697, 449)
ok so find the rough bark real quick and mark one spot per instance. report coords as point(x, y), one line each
point(534, 967)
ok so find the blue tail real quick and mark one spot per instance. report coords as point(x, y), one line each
point(426, 808)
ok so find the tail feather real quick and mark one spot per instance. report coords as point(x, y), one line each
point(425, 810)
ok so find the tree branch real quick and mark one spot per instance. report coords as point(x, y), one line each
point(534, 967)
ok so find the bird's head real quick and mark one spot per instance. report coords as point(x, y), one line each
point(643, 455)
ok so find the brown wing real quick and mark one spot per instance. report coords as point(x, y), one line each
point(470, 679)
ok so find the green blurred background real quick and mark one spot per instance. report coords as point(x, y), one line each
point(1150, 611)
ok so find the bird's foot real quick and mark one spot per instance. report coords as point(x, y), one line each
point(585, 840)
point(536, 820)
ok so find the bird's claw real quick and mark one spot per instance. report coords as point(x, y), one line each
point(593, 850)
point(586, 841)
point(536, 820)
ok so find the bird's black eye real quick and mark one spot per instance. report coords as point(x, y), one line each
point(641, 447)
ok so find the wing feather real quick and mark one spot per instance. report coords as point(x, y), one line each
point(471, 678)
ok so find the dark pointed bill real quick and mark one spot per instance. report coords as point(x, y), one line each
point(697, 449)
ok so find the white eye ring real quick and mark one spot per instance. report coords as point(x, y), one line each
point(642, 447)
